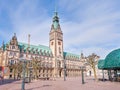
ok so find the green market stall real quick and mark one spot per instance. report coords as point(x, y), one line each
point(112, 64)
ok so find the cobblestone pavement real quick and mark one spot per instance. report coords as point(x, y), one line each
point(59, 84)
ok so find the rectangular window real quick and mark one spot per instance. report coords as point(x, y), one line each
point(11, 70)
point(14, 53)
point(10, 54)
point(12, 62)
point(0, 68)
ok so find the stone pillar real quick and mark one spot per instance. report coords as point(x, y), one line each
point(45, 72)
point(51, 73)
point(72, 73)
point(68, 73)
point(41, 72)
point(48, 73)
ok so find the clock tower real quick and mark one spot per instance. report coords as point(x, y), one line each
point(56, 37)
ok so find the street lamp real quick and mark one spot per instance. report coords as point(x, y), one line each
point(23, 70)
point(30, 71)
point(82, 72)
point(103, 75)
point(64, 70)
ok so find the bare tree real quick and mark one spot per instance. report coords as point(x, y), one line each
point(16, 69)
point(19, 69)
point(35, 64)
point(92, 61)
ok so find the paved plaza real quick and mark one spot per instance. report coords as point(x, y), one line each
point(60, 84)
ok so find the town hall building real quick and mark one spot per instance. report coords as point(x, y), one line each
point(52, 61)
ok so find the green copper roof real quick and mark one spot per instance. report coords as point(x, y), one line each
point(101, 64)
point(34, 47)
point(3, 47)
point(67, 54)
point(112, 60)
point(55, 24)
point(55, 20)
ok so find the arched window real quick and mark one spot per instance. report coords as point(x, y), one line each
point(59, 50)
point(51, 43)
point(59, 43)
point(13, 47)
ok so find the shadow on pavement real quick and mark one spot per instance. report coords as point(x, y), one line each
point(6, 81)
point(39, 87)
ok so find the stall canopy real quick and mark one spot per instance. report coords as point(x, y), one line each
point(112, 61)
point(101, 64)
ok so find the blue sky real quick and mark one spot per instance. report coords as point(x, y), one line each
point(89, 26)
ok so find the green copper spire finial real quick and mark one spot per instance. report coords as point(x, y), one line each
point(55, 6)
point(55, 12)
point(55, 18)
point(14, 34)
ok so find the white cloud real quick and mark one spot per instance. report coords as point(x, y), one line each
point(39, 33)
point(26, 20)
point(88, 26)
point(102, 52)
point(96, 30)
point(81, 34)
point(4, 34)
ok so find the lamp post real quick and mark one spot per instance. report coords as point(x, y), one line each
point(23, 81)
point(30, 70)
point(64, 70)
point(23, 70)
point(103, 75)
point(30, 74)
point(82, 72)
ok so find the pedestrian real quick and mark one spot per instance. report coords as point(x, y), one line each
point(1, 79)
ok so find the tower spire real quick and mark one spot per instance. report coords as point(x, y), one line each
point(14, 34)
point(55, 6)
point(55, 12)
point(82, 56)
point(28, 46)
point(3, 46)
point(55, 18)
point(28, 40)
